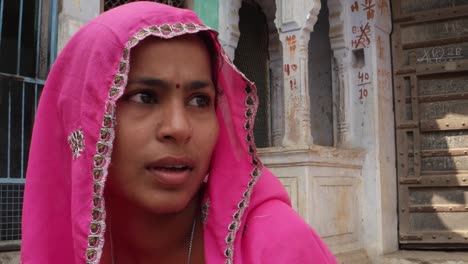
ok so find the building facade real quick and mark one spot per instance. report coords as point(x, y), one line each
point(363, 115)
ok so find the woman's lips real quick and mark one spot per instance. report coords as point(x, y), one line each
point(171, 170)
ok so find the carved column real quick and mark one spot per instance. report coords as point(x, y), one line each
point(295, 89)
point(277, 102)
point(341, 66)
point(295, 20)
point(229, 26)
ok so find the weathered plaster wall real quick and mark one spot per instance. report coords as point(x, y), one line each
point(73, 14)
point(363, 112)
point(324, 186)
point(369, 115)
point(385, 130)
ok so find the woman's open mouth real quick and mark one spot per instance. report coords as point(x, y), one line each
point(171, 170)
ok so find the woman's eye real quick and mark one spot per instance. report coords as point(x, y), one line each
point(200, 101)
point(142, 98)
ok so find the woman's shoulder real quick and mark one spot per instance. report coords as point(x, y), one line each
point(275, 232)
point(277, 220)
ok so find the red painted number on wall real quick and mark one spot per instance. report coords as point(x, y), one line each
point(363, 76)
point(363, 93)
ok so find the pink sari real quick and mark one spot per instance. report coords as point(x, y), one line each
point(246, 211)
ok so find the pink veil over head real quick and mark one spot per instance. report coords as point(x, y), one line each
point(246, 210)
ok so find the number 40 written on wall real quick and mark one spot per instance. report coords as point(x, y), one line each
point(363, 79)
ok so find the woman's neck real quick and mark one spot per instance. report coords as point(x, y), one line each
point(135, 235)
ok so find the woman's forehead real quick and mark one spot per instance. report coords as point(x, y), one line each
point(188, 56)
point(181, 60)
point(171, 45)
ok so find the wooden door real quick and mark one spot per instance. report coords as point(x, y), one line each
point(430, 58)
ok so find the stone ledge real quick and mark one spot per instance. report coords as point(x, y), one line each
point(312, 156)
point(425, 257)
point(355, 257)
point(9, 257)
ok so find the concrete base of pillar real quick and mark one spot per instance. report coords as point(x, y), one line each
point(421, 257)
point(324, 184)
point(354, 257)
point(9, 257)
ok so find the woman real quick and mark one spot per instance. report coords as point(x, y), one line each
point(160, 165)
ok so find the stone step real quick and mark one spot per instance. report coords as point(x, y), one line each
point(426, 257)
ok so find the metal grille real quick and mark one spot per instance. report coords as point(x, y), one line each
point(18, 103)
point(109, 4)
point(251, 58)
point(27, 48)
point(11, 199)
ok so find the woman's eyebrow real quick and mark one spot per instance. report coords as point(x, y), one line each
point(152, 82)
point(198, 84)
point(158, 83)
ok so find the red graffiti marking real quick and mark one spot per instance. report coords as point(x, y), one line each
point(369, 7)
point(363, 78)
point(380, 48)
point(384, 77)
point(383, 73)
point(364, 36)
point(291, 41)
point(383, 7)
point(363, 93)
point(288, 68)
point(293, 84)
point(355, 7)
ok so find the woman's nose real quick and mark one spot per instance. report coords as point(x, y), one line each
point(174, 125)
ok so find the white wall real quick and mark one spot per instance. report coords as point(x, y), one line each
point(73, 14)
point(369, 118)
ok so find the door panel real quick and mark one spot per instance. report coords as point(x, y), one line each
point(430, 58)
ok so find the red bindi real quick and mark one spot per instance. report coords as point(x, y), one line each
point(177, 86)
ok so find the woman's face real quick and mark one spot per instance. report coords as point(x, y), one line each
point(166, 125)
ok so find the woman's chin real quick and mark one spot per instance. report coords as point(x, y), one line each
point(169, 205)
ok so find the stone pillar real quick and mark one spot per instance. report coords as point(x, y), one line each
point(295, 89)
point(229, 25)
point(387, 184)
point(341, 63)
point(277, 102)
point(359, 35)
point(73, 15)
point(341, 96)
point(295, 20)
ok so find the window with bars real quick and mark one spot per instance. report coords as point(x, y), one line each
point(109, 4)
point(27, 48)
